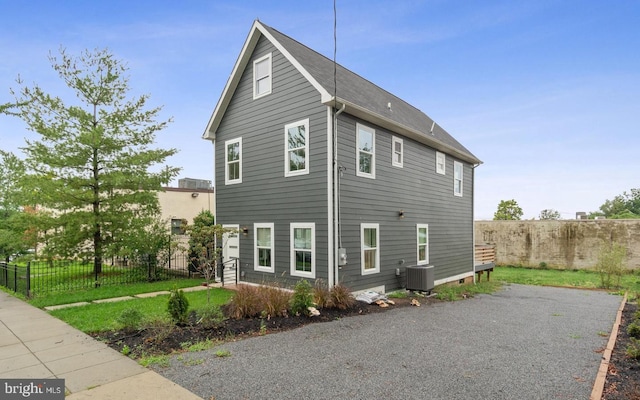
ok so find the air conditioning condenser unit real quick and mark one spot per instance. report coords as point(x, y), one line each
point(420, 278)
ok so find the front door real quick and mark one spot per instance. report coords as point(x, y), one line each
point(230, 251)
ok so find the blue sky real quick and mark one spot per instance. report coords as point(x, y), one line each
point(546, 93)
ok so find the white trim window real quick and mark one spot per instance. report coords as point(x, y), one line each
point(296, 148)
point(457, 178)
point(262, 76)
point(365, 151)
point(233, 161)
point(422, 238)
point(441, 163)
point(397, 152)
point(303, 254)
point(370, 248)
point(263, 244)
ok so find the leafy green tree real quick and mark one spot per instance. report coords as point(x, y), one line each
point(549, 214)
point(508, 210)
point(623, 206)
point(91, 168)
point(204, 235)
point(12, 230)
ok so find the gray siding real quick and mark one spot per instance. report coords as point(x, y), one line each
point(426, 198)
point(265, 195)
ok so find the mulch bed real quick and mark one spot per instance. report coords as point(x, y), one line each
point(623, 378)
point(166, 339)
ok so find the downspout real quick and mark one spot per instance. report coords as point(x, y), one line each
point(336, 198)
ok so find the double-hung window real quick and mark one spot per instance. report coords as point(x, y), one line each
point(176, 226)
point(303, 256)
point(262, 76)
point(457, 178)
point(422, 231)
point(264, 247)
point(370, 248)
point(365, 149)
point(440, 163)
point(397, 153)
point(296, 141)
point(233, 161)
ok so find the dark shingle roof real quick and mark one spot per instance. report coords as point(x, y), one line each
point(356, 90)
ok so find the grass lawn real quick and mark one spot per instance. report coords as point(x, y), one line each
point(105, 292)
point(629, 282)
point(101, 317)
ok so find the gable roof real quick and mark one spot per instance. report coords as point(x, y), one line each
point(360, 97)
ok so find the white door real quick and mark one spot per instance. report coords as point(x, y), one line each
point(230, 251)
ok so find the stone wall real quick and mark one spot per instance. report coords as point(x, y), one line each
point(571, 244)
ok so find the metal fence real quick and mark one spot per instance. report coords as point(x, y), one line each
point(42, 277)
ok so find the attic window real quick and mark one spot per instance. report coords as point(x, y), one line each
point(262, 76)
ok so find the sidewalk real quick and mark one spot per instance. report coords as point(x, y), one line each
point(34, 344)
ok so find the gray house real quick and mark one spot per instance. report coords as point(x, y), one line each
point(346, 184)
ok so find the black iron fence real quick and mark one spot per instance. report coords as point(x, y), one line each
point(15, 277)
point(42, 277)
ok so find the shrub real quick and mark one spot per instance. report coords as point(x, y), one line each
point(633, 349)
point(322, 295)
point(245, 303)
point(130, 319)
point(611, 264)
point(178, 306)
point(633, 329)
point(341, 297)
point(275, 301)
point(302, 298)
point(210, 315)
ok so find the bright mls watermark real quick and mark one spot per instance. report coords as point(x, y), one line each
point(39, 389)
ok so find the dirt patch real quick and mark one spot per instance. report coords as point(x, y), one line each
point(623, 377)
point(165, 339)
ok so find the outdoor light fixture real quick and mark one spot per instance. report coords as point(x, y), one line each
point(195, 194)
point(401, 214)
point(245, 231)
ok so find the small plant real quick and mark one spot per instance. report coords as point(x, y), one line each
point(263, 327)
point(302, 298)
point(341, 297)
point(245, 303)
point(275, 301)
point(210, 315)
point(178, 306)
point(199, 346)
point(611, 264)
point(223, 353)
point(130, 319)
point(633, 349)
point(322, 295)
point(126, 350)
point(543, 265)
point(160, 361)
point(633, 329)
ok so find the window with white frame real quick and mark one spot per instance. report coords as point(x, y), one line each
point(233, 161)
point(397, 153)
point(365, 148)
point(296, 138)
point(422, 231)
point(370, 248)
point(457, 178)
point(177, 227)
point(303, 257)
point(264, 253)
point(440, 163)
point(262, 76)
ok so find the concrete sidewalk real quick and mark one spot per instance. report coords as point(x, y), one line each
point(34, 344)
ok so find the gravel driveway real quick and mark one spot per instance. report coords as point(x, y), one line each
point(524, 342)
